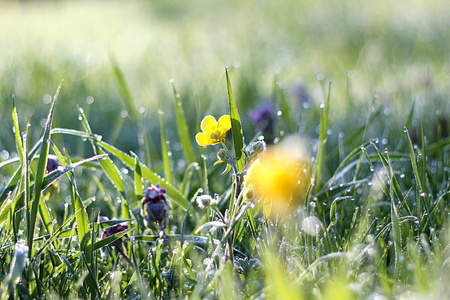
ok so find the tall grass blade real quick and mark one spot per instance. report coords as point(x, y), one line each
point(17, 132)
point(40, 172)
point(285, 109)
point(236, 126)
point(138, 188)
point(131, 107)
point(323, 133)
point(165, 150)
point(183, 130)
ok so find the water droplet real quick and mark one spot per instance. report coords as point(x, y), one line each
point(89, 99)
point(124, 113)
point(4, 154)
point(322, 105)
point(171, 80)
point(306, 105)
point(402, 175)
point(47, 99)
point(279, 113)
point(320, 76)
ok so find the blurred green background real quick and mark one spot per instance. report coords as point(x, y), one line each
point(392, 51)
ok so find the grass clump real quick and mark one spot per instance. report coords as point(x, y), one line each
point(294, 214)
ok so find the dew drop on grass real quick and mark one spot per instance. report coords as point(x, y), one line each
point(320, 76)
point(279, 113)
point(141, 109)
point(89, 99)
point(124, 113)
point(169, 153)
point(402, 175)
point(322, 105)
point(4, 154)
point(306, 105)
point(47, 99)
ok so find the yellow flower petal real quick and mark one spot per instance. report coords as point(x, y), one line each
point(224, 123)
point(203, 139)
point(208, 125)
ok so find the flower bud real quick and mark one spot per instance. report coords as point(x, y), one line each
point(206, 200)
point(259, 147)
point(222, 155)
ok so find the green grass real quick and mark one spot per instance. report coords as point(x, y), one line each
point(373, 119)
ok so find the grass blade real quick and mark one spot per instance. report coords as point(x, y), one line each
point(323, 133)
point(124, 89)
point(236, 126)
point(183, 130)
point(165, 150)
point(40, 172)
point(17, 132)
point(147, 174)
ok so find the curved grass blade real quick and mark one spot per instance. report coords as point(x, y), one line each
point(110, 239)
point(236, 126)
point(149, 175)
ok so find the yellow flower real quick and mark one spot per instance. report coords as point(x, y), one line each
point(280, 176)
point(213, 131)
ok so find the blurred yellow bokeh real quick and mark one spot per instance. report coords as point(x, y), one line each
point(280, 176)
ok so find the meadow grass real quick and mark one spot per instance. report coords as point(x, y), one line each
point(371, 213)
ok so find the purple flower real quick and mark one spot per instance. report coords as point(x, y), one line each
point(156, 205)
point(52, 163)
point(263, 117)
